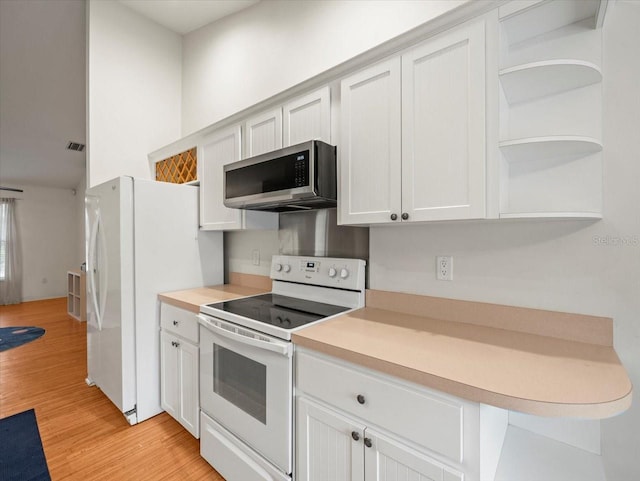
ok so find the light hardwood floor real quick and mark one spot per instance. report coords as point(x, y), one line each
point(84, 435)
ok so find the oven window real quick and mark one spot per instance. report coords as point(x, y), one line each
point(241, 381)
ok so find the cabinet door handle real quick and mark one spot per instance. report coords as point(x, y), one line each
point(355, 435)
point(405, 216)
point(360, 398)
point(394, 216)
point(177, 344)
point(175, 323)
point(367, 442)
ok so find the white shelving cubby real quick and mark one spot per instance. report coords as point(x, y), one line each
point(551, 109)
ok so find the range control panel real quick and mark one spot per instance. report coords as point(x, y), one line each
point(320, 271)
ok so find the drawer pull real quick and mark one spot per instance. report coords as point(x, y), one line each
point(175, 323)
point(355, 435)
point(360, 398)
point(367, 442)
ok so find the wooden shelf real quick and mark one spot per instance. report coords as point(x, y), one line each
point(560, 147)
point(540, 79)
point(543, 17)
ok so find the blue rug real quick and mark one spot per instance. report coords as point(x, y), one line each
point(21, 454)
point(17, 336)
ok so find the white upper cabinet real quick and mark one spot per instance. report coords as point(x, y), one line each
point(413, 138)
point(308, 118)
point(263, 132)
point(369, 151)
point(304, 118)
point(215, 151)
point(443, 127)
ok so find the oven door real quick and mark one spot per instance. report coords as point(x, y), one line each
point(246, 384)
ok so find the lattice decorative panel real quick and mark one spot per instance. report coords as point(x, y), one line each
point(178, 169)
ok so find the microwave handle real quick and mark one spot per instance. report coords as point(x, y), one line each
point(283, 348)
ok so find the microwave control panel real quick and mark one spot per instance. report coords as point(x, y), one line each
point(301, 169)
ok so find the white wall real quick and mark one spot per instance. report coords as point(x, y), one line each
point(260, 51)
point(47, 221)
point(575, 266)
point(239, 246)
point(134, 90)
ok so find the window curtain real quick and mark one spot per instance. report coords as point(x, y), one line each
point(10, 258)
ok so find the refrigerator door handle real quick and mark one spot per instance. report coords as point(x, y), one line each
point(91, 271)
point(98, 303)
point(103, 269)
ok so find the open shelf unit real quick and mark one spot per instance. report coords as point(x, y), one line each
point(551, 110)
point(522, 25)
point(527, 82)
point(559, 147)
point(74, 294)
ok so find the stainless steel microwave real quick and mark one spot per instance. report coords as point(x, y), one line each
point(299, 177)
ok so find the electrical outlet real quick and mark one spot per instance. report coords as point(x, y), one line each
point(444, 268)
point(255, 257)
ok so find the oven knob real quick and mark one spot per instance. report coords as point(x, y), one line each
point(332, 272)
point(287, 267)
point(344, 273)
point(277, 267)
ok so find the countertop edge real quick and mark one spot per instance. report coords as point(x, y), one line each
point(599, 410)
point(178, 303)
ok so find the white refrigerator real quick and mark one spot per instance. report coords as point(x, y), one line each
point(142, 238)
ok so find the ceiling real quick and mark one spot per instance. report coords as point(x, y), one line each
point(42, 81)
point(184, 16)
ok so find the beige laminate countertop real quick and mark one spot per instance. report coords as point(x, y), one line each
point(514, 370)
point(191, 299)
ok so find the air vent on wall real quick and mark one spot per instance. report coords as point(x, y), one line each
point(75, 146)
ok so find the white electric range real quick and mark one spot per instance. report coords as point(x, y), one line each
point(246, 363)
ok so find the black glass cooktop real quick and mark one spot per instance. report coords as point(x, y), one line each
point(281, 311)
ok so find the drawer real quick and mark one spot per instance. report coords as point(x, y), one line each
point(412, 413)
point(178, 321)
point(231, 457)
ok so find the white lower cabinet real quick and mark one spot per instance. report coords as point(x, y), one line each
point(179, 368)
point(355, 424)
point(332, 446)
point(389, 460)
point(326, 444)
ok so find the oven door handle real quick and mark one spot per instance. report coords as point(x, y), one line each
point(283, 348)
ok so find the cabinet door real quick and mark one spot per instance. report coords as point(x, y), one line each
point(325, 446)
point(308, 118)
point(443, 127)
point(217, 150)
point(263, 133)
point(169, 374)
point(369, 155)
point(388, 460)
point(189, 414)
